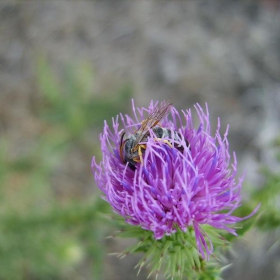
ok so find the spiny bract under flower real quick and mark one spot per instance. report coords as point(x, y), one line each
point(171, 188)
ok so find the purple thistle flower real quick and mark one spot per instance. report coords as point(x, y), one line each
point(181, 182)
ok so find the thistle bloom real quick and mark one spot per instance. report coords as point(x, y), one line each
point(172, 189)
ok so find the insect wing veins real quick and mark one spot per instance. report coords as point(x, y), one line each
point(152, 120)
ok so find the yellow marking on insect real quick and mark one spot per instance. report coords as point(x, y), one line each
point(164, 141)
point(142, 146)
point(139, 158)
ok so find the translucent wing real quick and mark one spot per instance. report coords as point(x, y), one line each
point(152, 120)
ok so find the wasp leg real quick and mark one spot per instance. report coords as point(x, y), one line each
point(136, 159)
point(139, 157)
point(140, 152)
point(164, 141)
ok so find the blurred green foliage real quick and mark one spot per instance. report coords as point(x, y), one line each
point(268, 195)
point(44, 235)
point(71, 101)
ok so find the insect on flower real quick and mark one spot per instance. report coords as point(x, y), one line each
point(133, 147)
point(169, 175)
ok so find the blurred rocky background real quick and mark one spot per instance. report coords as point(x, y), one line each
point(65, 66)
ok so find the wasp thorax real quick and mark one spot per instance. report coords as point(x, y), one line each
point(133, 150)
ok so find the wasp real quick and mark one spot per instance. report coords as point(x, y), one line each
point(133, 147)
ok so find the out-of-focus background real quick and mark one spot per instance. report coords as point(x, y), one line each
point(65, 66)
